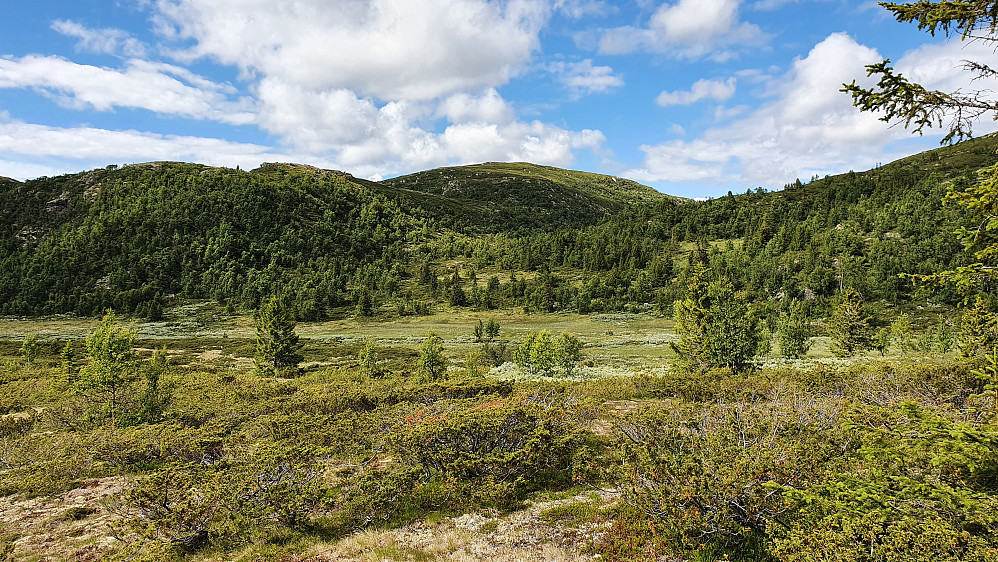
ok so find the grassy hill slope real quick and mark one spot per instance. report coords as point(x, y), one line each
point(516, 196)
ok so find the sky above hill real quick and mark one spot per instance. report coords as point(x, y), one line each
point(692, 97)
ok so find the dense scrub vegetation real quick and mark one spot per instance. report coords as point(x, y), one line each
point(877, 460)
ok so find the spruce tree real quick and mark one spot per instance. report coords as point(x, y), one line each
point(277, 345)
point(849, 327)
point(794, 330)
point(715, 327)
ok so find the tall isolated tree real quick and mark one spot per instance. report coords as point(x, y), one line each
point(278, 349)
point(794, 330)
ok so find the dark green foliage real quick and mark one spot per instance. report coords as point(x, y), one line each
point(278, 349)
point(978, 330)
point(499, 197)
point(849, 325)
point(714, 326)
point(920, 483)
point(795, 330)
point(141, 237)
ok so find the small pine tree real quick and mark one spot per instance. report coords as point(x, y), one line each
point(365, 304)
point(69, 367)
point(492, 329)
point(902, 333)
point(794, 331)
point(944, 336)
point(979, 330)
point(154, 399)
point(457, 295)
point(568, 351)
point(849, 326)
point(29, 348)
point(882, 340)
point(432, 364)
point(715, 328)
point(277, 345)
point(368, 360)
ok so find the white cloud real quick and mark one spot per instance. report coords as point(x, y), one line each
point(534, 142)
point(686, 29)
point(387, 49)
point(716, 90)
point(584, 78)
point(579, 9)
point(489, 107)
point(375, 87)
point(809, 127)
point(106, 41)
point(71, 146)
point(139, 85)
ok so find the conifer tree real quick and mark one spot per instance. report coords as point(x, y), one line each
point(902, 333)
point(277, 345)
point(917, 107)
point(794, 331)
point(432, 364)
point(29, 348)
point(979, 330)
point(715, 328)
point(849, 327)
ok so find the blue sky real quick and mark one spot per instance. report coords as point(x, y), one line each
point(692, 97)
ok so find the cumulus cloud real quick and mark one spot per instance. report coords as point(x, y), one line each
point(106, 41)
point(716, 90)
point(583, 78)
point(88, 144)
point(376, 87)
point(158, 87)
point(387, 49)
point(809, 127)
point(488, 107)
point(686, 29)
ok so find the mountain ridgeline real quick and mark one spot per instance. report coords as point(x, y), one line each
point(142, 237)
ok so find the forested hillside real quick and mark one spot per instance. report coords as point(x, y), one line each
point(486, 236)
